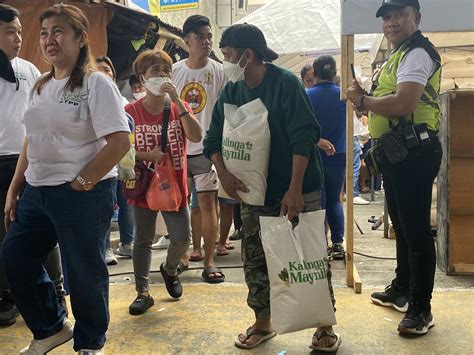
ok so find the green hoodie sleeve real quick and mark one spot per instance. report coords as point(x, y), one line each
point(302, 128)
point(213, 140)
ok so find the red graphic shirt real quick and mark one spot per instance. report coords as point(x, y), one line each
point(148, 137)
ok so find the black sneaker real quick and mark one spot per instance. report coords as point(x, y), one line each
point(416, 322)
point(391, 298)
point(140, 305)
point(337, 251)
point(8, 311)
point(173, 284)
point(238, 234)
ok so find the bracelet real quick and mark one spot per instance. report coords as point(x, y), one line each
point(361, 103)
point(182, 114)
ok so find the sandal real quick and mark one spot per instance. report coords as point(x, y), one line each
point(195, 257)
point(172, 283)
point(327, 349)
point(182, 267)
point(212, 270)
point(222, 252)
point(229, 246)
point(264, 336)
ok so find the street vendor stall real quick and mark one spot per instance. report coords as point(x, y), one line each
point(116, 30)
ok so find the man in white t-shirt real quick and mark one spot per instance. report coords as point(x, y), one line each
point(199, 80)
point(17, 77)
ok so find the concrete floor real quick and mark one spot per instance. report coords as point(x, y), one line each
point(208, 317)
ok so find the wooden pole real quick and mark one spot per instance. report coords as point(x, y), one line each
point(347, 58)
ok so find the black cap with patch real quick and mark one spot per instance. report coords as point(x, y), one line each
point(193, 22)
point(387, 4)
point(245, 35)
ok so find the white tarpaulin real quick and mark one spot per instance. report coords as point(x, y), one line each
point(304, 26)
point(358, 16)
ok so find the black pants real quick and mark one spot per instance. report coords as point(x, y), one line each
point(7, 169)
point(53, 263)
point(237, 217)
point(408, 187)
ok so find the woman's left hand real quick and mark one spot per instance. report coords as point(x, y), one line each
point(170, 89)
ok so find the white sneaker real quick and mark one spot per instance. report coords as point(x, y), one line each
point(91, 352)
point(43, 346)
point(360, 201)
point(125, 250)
point(110, 258)
point(162, 243)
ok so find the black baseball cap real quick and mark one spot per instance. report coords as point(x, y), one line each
point(386, 4)
point(193, 22)
point(245, 35)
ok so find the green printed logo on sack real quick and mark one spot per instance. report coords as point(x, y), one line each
point(305, 272)
point(236, 150)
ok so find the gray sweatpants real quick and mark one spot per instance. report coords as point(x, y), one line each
point(179, 231)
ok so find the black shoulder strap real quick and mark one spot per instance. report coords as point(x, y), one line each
point(420, 41)
point(164, 128)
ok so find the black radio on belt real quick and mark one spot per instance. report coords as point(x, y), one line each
point(415, 136)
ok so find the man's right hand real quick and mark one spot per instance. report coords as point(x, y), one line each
point(231, 184)
point(10, 211)
point(327, 146)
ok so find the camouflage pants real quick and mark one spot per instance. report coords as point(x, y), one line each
point(253, 256)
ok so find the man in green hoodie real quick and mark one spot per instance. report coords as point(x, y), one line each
point(294, 172)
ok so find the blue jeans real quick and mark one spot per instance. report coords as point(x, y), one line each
point(77, 221)
point(356, 165)
point(125, 215)
point(334, 172)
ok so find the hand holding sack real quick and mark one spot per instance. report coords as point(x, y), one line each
point(246, 149)
point(297, 269)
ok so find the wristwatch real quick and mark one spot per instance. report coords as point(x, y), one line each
point(87, 185)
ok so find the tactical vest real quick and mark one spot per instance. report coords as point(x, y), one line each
point(427, 110)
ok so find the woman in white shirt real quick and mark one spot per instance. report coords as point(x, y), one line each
point(76, 132)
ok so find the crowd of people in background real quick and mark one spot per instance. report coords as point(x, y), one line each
point(64, 133)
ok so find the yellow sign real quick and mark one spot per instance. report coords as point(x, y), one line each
point(154, 6)
point(173, 5)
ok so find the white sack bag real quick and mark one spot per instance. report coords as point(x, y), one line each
point(246, 149)
point(297, 268)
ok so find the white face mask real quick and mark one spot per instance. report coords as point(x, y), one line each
point(154, 84)
point(233, 70)
point(139, 95)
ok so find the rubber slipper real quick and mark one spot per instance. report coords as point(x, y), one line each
point(206, 275)
point(229, 246)
point(264, 336)
point(327, 349)
point(222, 252)
point(195, 257)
